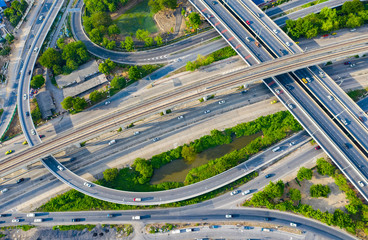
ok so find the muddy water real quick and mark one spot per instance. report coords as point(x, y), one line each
point(177, 170)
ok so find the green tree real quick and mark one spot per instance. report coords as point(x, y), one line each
point(67, 103)
point(87, 23)
point(325, 168)
point(129, 44)
point(118, 82)
point(95, 35)
point(133, 73)
point(96, 96)
point(37, 81)
point(60, 43)
point(101, 19)
point(148, 41)
point(107, 66)
point(354, 21)
point(304, 173)
point(294, 194)
point(188, 153)
point(142, 34)
point(194, 19)
point(275, 190)
point(9, 38)
point(105, 41)
point(79, 104)
point(50, 58)
point(5, 51)
point(352, 7)
point(319, 190)
point(110, 174)
point(144, 168)
point(75, 51)
point(183, 11)
point(158, 40)
point(113, 29)
point(111, 45)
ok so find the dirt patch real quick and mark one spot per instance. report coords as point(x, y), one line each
point(335, 200)
point(125, 8)
point(166, 21)
point(14, 128)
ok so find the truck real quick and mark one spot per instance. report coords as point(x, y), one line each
point(257, 43)
point(31, 215)
point(175, 231)
point(136, 217)
point(266, 230)
point(38, 220)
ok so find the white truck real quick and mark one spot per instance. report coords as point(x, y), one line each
point(31, 215)
point(38, 220)
point(136, 217)
point(175, 231)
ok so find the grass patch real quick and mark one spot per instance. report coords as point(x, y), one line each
point(139, 17)
point(357, 94)
point(78, 227)
point(23, 227)
point(307, 5)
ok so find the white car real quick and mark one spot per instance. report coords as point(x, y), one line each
point(33, 132)
point(234, 192)
point(291, 144)
point(277, 91)
point(207, 111)
point(40, 18)
point(155, 139)
point(308, 79)
point(246, 192)
point(275, 31)
point(60, 168)
point(15, 220)
point(181, 117)
point(288, 44)
point(136, 133)
point(344, 121)
point(222, 102)
point(136, 217)
point(87, 184)
point(107, 102)
point(247, 38)
point(228, 216)
point(361, 183)
point(25, 96)
point(4, 190)
point(330, 97)
point(291, 106)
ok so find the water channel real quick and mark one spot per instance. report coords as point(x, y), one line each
point(177, 170)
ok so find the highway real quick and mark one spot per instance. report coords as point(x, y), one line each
point(229, 80)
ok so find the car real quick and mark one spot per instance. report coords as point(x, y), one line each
point(235, 192)
point(246, 192)
point(214, 2)
point(353, 30)
point(208, 15)
point(181, 117)
point(4, 190)
point(136, 217)
point(25, 143)
point(155, 139)
point(244, 92)
point(289, 87)
point(41, 136)
point(346, 145)
point(247, 38)
point(87, 184)
point(33, 132)
point(277, 91)
point(347, 63)
point(291, 106)
point(35, 49)
point(2, 215)
point(112, 142)
point(274, 101)
point(361, 119)
point(25, 96)
point(330, 97)
point(248, 228)
point(136, 133)
point(344, 121)
point(60, 168)
point(40, 18)
point(247, 22)
point(293, 224)
point(27, 114)
point(267, 219)
point(14, 220)
point(291, 143)
point(288, 44)
point(317, 147)
point(20, 180)
point(308, 79)
point(76, 219)
point(222, 102)
point(107, 102)
point(333, 34)
point(304, 80)
point(29, 72)
point(110, 215)
point(352, 65)
point(228, 216)
point(8, 152)
point(268, 176)
point(361, 183)
point(137, 199)
point(275, 31)
point(326, 35)
point(207, 111)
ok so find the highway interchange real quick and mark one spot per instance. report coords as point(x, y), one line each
point(280, 79)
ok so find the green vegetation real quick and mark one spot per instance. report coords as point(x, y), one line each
point(158, 5)
point(357, 94)
point(304, 173)
point(138, 17)
point(5, 50)
point(36, 113)
point(15, 13)
point(2, 235)
point(23, 227)
point(126, 229)
point(118, 83)
point(307, 5)
point(75, 104)
point(294, 194)
point(9, 38)
point(37, 81)
point(1, 111)
point(194, 20)
point(107, 66)
point(165, 228)
point(355, 219)
point(351, 15)
point(65, 60)
point(319, 190)
point(218, 55)
point(78, 227)
point(103, 6)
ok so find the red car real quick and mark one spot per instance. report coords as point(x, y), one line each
point(247, 22)
point(317, 148)
point(326, 35)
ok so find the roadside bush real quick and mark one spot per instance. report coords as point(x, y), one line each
point(304, 173)
point(37, 81)
point(319, 190)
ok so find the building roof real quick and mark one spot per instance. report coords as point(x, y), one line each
point(45, 104)
point(82, 87)
point(3, 4)
point(82, 73)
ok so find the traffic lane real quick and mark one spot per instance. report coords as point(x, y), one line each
point(344, 98)
point(285, 6)
point(334, 106)
point(153, 198)
point(326, 124)
point(231, 24)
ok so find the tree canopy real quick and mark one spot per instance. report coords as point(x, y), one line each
point(118, 82)
point(107, 66)
point(37, 81)
point(157, 5)
point(304, 173)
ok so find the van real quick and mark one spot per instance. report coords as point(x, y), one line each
point(38, 220)
point(112, 142)
point(31, 215)
point(275, 149)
